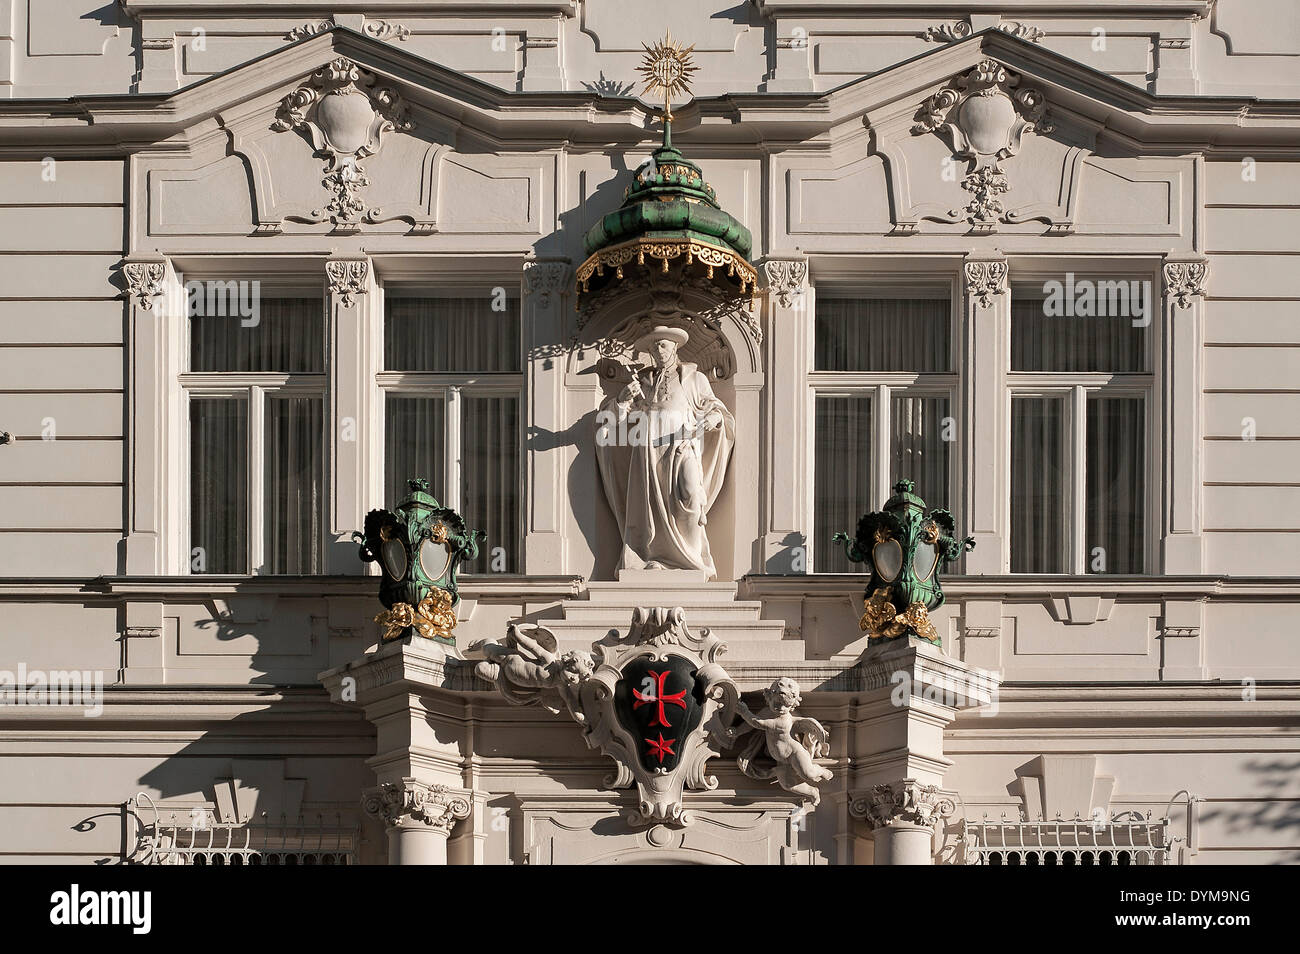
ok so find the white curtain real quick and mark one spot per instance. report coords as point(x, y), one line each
point(490, 478)
point(882, 334)
point(918, 450)
point(1038, 476)
point(219, 485)
point(288, 336)
point(294, 485)
point(415, 429)
point(451, 335)
point(841, 475)
point(1116, 485)
point(1069, 342)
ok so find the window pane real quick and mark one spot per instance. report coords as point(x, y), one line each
point(451, 335)
point(294, 485)
point(882, 334)
point(1038, 482)
point(1116, 486)
point(491, 479)
point(218, 485)
point(279, 334)
point(415, 435)
point(841, 476)
point(917, 447)
point(1047, 337)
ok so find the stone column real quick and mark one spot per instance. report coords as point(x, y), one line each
point(354, 348)
point(418, 817)
point(983, 419)
point(785, 455)
point(544, 322)
point(913, 691)
point(903, 816)
point(1182, 547)
point(409, 690)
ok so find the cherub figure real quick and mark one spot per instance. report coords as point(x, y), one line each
point(528, 667)
point(783, 735)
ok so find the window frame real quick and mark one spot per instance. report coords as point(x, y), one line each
point(256, 389)
point(881, 386)
point(452, 388)
point(1076, 386)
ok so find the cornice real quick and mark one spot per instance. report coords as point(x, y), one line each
point(579, 120)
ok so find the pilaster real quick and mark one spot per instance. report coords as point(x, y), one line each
point(983, 419)
point(1182, 541)
point(546, 291)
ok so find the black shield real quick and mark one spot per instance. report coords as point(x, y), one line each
point(660, 703)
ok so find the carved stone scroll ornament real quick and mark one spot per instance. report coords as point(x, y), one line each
point(647, 700)
point(346, 115)
point(907, 802)
point(144, 282)
point(984, 114)
point(412, 801)
point(1185, 281)
point(985, 280)
point(960, 29)
point(785, 278)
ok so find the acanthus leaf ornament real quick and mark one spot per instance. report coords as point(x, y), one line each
point(144, 282)
point(1185, 281)
point(411, 801)
point(544, 279)
point(907, 802)
point(346, 116)
point(984, 280)
point(785, 278)
point(347, 278)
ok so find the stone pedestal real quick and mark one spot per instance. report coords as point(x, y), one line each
point(914, 692)
point(407, 690)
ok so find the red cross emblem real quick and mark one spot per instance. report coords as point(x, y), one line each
point(657, 695)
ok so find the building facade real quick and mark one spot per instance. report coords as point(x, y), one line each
point(261, 267)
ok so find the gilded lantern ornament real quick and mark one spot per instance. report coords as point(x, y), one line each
point(419, 547)
point(905, 546)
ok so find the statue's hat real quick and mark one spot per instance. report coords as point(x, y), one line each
point(658, 334)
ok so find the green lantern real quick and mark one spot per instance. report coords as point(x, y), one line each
point(905, 546)
point(419, 548)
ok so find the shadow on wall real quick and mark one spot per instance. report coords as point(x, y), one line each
point(1274, 809)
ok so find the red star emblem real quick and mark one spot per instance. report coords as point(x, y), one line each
point(660, 748)
point(657, 695)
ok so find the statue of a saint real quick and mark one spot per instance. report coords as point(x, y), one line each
point(662, 447)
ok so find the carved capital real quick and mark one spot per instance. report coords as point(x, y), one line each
point(144, 282)
point(905, 802)
point(544, 278)
point(985, 280)
point(347, 278)
point(1185, 281)
point(785, 278)
point(411, 801)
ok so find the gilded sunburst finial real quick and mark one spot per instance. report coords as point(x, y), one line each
point(667, 68)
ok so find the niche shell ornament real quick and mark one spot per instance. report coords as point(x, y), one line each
point(419, 547)
point(905, 547)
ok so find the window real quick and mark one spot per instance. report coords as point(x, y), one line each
point(452, 389)
point(883, 389)
point(1080, 393)
point(255, 388)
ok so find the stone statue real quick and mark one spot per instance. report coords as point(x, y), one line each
point(528, 669)
point(781, 731)
point(662, 448)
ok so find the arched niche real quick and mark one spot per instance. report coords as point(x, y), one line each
point(725, 342)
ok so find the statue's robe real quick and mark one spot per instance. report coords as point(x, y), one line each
point(662, 480)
